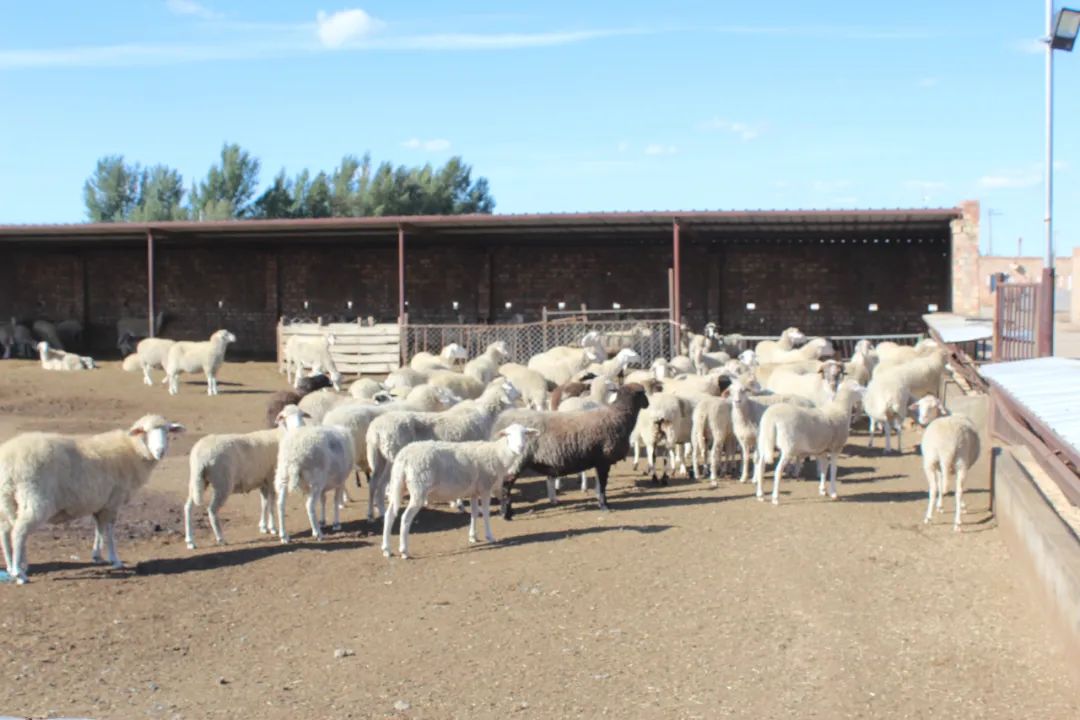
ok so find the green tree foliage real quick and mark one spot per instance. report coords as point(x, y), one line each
point(119, 192)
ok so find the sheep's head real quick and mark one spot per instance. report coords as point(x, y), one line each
point(627, 356)
point(42, 347)
point(927, 409)
point(454, 353)
point(863, 347)
point(748, 358)
point(639, 398)
point(154, 432)
point(223, 336)
point(500, 349)
point(335, 379)
point(794, 335)
point(661, 369)
point(739, 391)
point(832, 372)
point(290, 417)
point(510, 394)
point(382, 396)
point(710, 330)
point(517, 436)
point(822, 347)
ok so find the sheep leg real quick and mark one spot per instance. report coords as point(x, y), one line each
point(601, 486)
point(388, 524)
point(147, 380)
point(832, 476)
point(552, 486)
point(886, 428)
point(584, 482)
point(99, 539)
point(776, 477)
point(266, 514)
point(189, 526)
point(931, 483)
point(822, 470)
point(505, 507)
point(338, 501)
point(900, 436)
point(411, 510)
point(322, 509)
point(958, 497)
point(637, 455)
point(5, 546)
point(216, 501)
point(943, 488)
point(22, 527)
point(558, 484)
point(650, 457)
point(316, 527)
point(486, 509)
point(745, 475)
point(870, 443)
point(174, 383)
point(472, 520)
point(110, 542)
point(281, 497)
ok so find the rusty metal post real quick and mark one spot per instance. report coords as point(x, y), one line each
point(676, 289)
point(150, 309)
point(1045, 324)
point(401, 272)
point(999, 319)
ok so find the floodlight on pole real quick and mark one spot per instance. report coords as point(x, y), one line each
point(1066, 28)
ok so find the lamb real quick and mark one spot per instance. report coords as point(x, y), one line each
point(365, 388)
point(668, 420)
point(46, 331)
point(531, 384)
point(560, 364)
point(699, 345)
point(56, 478)
point(950, 443)
point(316, 460)
point(574, 442)
point(804, 432)
point(451, 355)
point(789, 339)
point(891, 389)
point(446, 471)
point(60, 360)
point(461, 385)
point(485, 368)
point(711, 419)
point(152, 354)
point(818, 388)
point(861, 366)
point(310, 352)
point(237, 463)
point(208, 356)
point(389, 433)
point(747, 409)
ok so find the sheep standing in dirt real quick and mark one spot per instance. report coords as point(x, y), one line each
point(236, 463)
point(806, 432)
point(560, 364)
point(446, 471)
point(950, 444)
point(56, 478)
point(152, 354)
point(207, 356)
point(575, 442)
point(310, 352)
point(485, 368)
point(317, 460)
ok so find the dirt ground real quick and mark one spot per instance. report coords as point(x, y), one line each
point(684, 602)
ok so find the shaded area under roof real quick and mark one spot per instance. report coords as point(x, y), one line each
point(781, 221)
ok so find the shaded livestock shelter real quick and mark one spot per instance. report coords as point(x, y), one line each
point(839, 272)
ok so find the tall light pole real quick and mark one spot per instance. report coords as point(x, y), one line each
point(1061, 32)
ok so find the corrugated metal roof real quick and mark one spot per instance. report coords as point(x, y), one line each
point(1048, 387)
point(959, 329)
point(553, 222)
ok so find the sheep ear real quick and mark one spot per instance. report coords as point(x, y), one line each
point(304, 414)
point(136, 431)
point(176, 428)
point(913, 406)
point(502, 433)
point(726, 393)
point(532, 431)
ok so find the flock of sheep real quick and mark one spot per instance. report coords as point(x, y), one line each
point(445, 428)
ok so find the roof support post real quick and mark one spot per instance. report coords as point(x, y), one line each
point(676, 289)
point(401, 272)
point(150, 309)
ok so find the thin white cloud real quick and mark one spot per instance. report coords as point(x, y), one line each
point(928, 82)
point(192, 8)
point(660, 149)
point(745, 131)
point(433, 145)
point(344, 27)
point(1030, 46)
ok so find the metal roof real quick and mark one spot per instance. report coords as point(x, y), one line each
point(1048, 387)
point(953, 328)
point(718, 220)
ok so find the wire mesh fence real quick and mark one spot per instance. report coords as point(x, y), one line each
point(843, 344)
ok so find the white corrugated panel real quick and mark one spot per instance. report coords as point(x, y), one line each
point(1048, 387)
point(959, 329)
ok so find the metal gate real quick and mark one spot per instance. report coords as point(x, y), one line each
point(1016, 317)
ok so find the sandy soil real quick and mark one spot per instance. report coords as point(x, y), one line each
point(684, 602)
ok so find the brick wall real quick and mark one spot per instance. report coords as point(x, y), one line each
point(965, 260)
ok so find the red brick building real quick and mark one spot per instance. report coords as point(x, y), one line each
point(752, 272)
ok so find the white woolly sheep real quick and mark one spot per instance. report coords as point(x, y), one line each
point(532, 385)
point(949, 444)
point(451, 355)
point(317, 404)
point(236, 463)
point(310, 352)
point(60, 360)
point(560, 364)
point(814, 349)
point(152, 354)
point(131, 363)
point(711, 420)
point(889, 353)
point(791, 338)
point(316, 460)
point(56, 478)
point(389, 433)
point(613, 367)
point(461, 385)
point(805, 432)
point(485, 368)
point(817, 388)
point(404, 378)
point(207, 356)
point(365, 388)
point(446, 471)
point(892, 388)
point(747, 407)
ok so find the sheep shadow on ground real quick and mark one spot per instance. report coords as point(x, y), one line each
point(862, 451)
point(897, 496)
point(239, 556)
point(557, 535)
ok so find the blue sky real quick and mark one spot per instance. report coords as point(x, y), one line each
point(564, 106)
